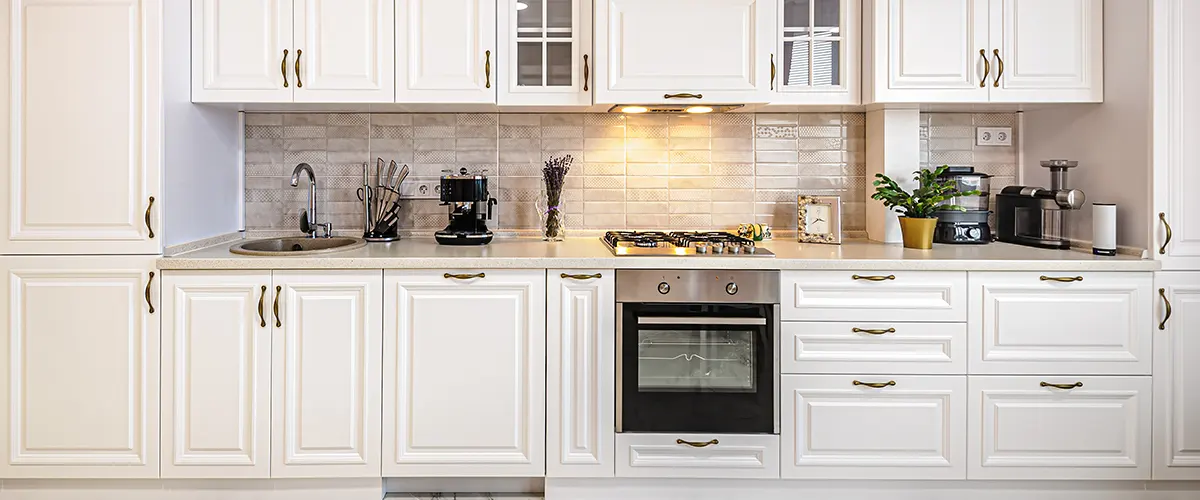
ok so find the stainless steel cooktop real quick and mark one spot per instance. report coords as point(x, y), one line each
point(682, 244)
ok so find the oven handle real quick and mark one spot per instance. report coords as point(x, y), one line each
point(656, 320)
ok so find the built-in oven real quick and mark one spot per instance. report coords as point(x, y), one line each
point(698, 351)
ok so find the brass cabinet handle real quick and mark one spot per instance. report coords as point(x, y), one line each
point(1000, 70)
point(487, 67)
point(1162, 216)
point(262, 321)
point(1162, 292)
point(697, 444)
point(1065, 387)
point(684, 95)
point(1061, 279)
point(283, 68)
point(277, 294)
point(873, 332)
point(464, 276)
point(890, 277)
point(581, 277)
point(148, 226)
point(149, 283)
point(987, 67)
point(772, 71)
point(876, 385)
point(299, 82)
point(586, 73)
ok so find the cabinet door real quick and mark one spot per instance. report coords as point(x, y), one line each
point(326, 379)
point(817, 55)
point(81, 372)
point(837, 427)
point(1176, 157)
point(345, 51)
point(1088, 428)
point(719, 50)
point(84, 128)
point(1047, 51)
point(242, 51)
point(581, 367)
point(216, 369)
point(465, 373)
point(1176, 378)
point(446, 51)
point(545, 52)
point(928, 51)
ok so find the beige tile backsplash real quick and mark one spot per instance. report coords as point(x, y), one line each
point(637, 172)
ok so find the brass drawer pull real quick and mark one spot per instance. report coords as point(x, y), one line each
point(299, 82)
point(697, 444)
point(464, 276)
point(683, 95)
point(772, 71)
point(1062, 279)
point(1000, 70)
point(1162, 292)
point(987, 68)
point(876, 385)
point(581, 277)
point(487, 68)
point(873, 331)
point(586, 73)
point(1162, 216)
point(262, 321)
point(149, 283)
point(277, 294)
point(890, 277)
point(148, 226)
point(1065, 387)
point(283, 68)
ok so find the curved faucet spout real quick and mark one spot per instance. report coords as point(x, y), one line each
point(306, 168)
point(308, 219)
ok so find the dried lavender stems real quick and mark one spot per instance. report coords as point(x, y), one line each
point(554, 174)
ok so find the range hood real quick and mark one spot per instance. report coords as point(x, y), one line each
point(672, 109)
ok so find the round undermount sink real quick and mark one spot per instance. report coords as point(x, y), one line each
point(297, 246)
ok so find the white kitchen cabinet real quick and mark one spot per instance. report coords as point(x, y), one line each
point(895, 427)
point(818, 52)
point(216, 374)
point(446, 51)
point(81, 366)
point(707, 456)
point(345, 51)
point(465, 373)
point(1176, 240)
point(684, 51)
point(581, 373)
point(326, 376)
point(242, 51)
point(1047, 50)
point(1176, 377)
point(544, 52)
point(929, 296)
point(1085, 428)
point(875, 348)
point(82, 173)
point(1062, 324)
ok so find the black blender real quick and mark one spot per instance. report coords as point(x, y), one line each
point(470, 207)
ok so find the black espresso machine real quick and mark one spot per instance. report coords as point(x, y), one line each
point(470, 207)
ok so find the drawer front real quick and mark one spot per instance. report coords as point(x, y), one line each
point(900, 348)
point(1022, 429)
point(1027, 323)
point(874, 296)
point(720, 456)
point(834, 428)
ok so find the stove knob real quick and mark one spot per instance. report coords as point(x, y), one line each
point(731, 289)
point(664, 288)
point(750, 248)
point(701, 248)
point(735, 249)
point(718, 248)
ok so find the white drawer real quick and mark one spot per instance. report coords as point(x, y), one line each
point(1022, 429)
point(720, 456)
point(1028, 323)
point(835, 429)
point(900, 348)
point(874, 296)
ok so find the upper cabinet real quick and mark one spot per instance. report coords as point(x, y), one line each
point(1176, 213)
point(817, 56)
point(446, 51)
point(344, 50)
point(241, 50)
point(684, 51)
point(965, 51)
point(545, 47)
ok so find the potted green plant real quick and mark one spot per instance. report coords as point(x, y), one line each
point(917, 209)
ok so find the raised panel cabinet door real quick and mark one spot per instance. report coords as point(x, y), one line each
point(817, 58)
point(242, 51)
point(446, 51)
point(216, 374)
point(1176, 216)
point(895, 427)
point(85, 124)
point(581, 373)
point(710, 51)
point(545, 53)
point(326, 379)
point(345, 51)
point(1059, 428)
point(877, 348)
point(81, 367)
point(465, 373)
point(884, 295)
point(1047, 51)
point(1061, 323)
point(929, 51)
point(1177, 376)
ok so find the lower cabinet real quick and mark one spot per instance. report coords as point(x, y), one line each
point(464, 373)
point(81, 367)
point(698, 455)
point(881, 427)
point(1177, 377)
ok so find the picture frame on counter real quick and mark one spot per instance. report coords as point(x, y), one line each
point(819, 219)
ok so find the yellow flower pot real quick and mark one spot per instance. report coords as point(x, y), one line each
point(918, 233)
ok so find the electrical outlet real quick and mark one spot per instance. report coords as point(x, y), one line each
point(993, 136)
point(420, 191)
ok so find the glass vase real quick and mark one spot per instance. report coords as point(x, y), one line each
point(554, 225)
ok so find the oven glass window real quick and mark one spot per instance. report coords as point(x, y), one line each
point(689, 360)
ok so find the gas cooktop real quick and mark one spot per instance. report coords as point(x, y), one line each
point(682, 244)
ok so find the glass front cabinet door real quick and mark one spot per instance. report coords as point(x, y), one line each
point(546, 52)
point(817, 56)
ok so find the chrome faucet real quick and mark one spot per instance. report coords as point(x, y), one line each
point(308, 219)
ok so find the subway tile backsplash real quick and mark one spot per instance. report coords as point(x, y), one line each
point(635, 172)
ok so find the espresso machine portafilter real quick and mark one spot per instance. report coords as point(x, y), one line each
point(1036, 216)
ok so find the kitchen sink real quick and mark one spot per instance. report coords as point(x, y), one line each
point(295, 245)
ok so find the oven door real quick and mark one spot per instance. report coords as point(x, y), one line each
point(697, 368)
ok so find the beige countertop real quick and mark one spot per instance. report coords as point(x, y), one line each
point(590, 253)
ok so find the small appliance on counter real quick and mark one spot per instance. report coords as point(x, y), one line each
point(970, 227)
point(1104, 229)
point(470, 207)
point(1035, 216)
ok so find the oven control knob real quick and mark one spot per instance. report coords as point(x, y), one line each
point(731, 289)
point(664, 288)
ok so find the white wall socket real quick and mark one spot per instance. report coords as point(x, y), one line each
point(993, 136)
point(420, 191)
